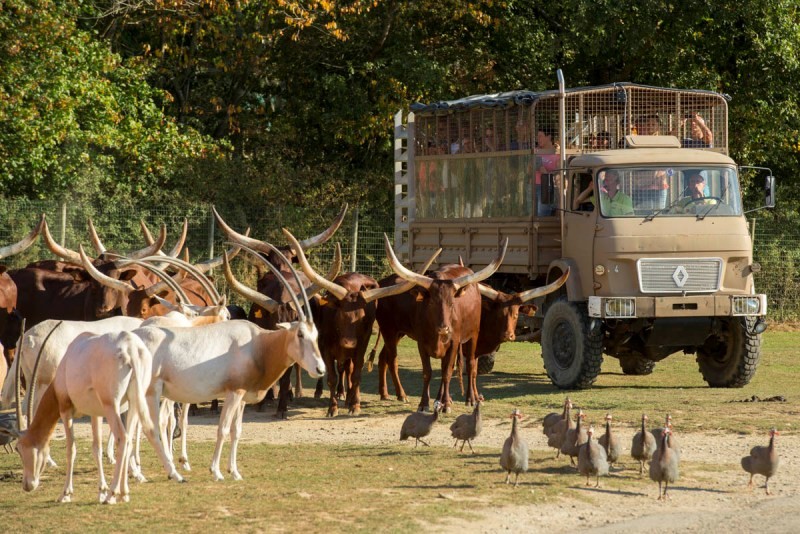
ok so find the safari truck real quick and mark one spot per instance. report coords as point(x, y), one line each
point(630, 187)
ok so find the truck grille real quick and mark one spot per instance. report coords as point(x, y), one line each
point(679, 275)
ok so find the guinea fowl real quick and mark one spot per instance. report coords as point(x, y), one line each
point(610, 443)
point(555, 438)
point(592, 459)
point(762, 461)
point(574, 438)
point(467, 427)
point(664, 466)
point(643, 445)
point(673, 442)
point(514, 458)
point(419, 424)
point(551, 419)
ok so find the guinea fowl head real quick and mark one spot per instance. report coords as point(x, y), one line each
point(590, 432)
point(608, 417)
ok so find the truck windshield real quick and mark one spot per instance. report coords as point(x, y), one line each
point(669, 192)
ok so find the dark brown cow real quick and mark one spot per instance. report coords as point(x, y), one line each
point(10, 320)
point(344, 318)
point(500, 312)
point(445, 318)
point(73, 294)
point(280, 300)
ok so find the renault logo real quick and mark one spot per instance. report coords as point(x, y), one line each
point(680, 276)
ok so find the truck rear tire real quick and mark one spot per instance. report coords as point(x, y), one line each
point(636, 365)
point(730, 360)
point(572, 354)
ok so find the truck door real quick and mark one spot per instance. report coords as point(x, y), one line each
point(580, 220)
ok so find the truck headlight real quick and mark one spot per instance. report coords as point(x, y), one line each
point(747, 305)
point(620, 307)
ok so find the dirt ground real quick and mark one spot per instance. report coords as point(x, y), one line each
point(724, 504)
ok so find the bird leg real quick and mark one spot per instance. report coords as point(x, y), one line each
point(469, 442)
point(641, 467)
point(766, 486)
point(454, 444)
point(423, 442)
point(508, 477)
point(598, 482)
point(516, 480)
point(659, 492)
point(750, 484)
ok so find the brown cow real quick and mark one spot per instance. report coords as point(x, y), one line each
point(10, 320)
point(344, 318)
point(74, 294)
point(445, 318)
point(280, 299)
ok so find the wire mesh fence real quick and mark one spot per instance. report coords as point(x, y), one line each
point(360, 236)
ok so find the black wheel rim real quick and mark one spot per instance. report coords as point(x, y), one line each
point(564, 344)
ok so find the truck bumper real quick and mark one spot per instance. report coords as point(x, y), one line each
point(688, 306)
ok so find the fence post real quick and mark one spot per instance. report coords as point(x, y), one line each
point(355, 241)
point(63, 224)
point(752, 233)
point(211, 235)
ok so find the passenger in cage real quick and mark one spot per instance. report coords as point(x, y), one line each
point(613, 201)
point(699, 134)
point(523, 140)
point(648, 125)
point(547, 162)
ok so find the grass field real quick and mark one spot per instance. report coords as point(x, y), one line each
point(390, 487)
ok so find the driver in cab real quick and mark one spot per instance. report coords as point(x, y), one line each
point(696, 197)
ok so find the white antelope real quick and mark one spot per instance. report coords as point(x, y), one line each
point(98, 376)
point(236, 360)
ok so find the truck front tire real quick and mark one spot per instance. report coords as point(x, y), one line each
point(730, 359)
point(572, 353)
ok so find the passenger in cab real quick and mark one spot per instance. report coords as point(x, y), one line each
point(613, 201)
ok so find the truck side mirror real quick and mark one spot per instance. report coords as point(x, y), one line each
point(769, 191)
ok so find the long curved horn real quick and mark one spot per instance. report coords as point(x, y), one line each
point(319, 239)
point(63, 253)
point(250, 294)
point(207, 265)
point(237, 238)
point(525, 296)
point(17, 386)
point(176, 249)
point(333, 272)
point(96, 243)
point(123, 287)
point(167, 281)
point(272, 249)
point(153, 248)
point(484, 273)
point(382, 292)
point(20, 246)
point(403, 272)
point(208, 286)
point(335, 289)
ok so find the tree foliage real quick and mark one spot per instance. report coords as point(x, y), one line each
point(146, 95)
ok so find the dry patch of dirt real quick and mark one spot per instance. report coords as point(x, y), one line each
point(714, 501)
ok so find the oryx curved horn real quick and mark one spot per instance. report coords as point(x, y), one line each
point(484, 273)
point(402, 271)
point(17, 380)
point(207, 265)
point(303, 316)
point(208, 286)
point(331, 287)
point(26, 242)
point(382, 292)
point(35, 374)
